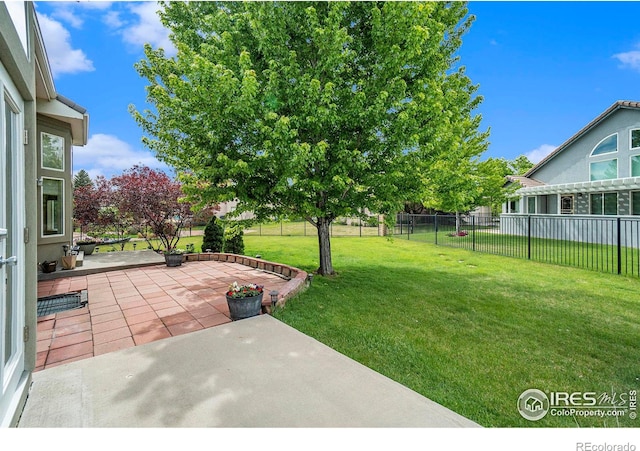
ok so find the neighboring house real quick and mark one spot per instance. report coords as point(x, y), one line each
point(37, 129)
point(595, 172)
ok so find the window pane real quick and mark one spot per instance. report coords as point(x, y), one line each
point(596, 204)
point(635, 203)
point(635, 166)
point(635, 138)
point(607, 145)
point(52, 151)
point(610, 204)
point(52, 207)
point(531, 204)
point(604, 170)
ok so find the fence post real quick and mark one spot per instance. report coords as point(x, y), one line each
point(619, 246)
point(401, 218)
point(473, 233)
point(529, 237)
point(435, 227)
point(408, 226)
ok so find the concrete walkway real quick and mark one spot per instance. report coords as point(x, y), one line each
point(256, 372)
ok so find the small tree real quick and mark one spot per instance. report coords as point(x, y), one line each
point(233, 240)
point(82, 179)
point(86, 206)
point(154, 202)
point(213, 239)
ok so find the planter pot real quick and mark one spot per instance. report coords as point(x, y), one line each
point(48, 267)
point(173, 260)
point(69, 262)
point(87, 248)
point(240, 308)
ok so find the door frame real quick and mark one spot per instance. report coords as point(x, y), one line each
point(13, 373)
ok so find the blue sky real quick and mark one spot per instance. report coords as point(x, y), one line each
point(545, 69)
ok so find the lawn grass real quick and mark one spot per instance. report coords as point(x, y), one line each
point(470, 331)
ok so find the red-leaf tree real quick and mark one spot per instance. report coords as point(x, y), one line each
point(154, 202)
point(86, 205)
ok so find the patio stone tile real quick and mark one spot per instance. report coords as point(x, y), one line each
point(116, 345)
point(71, 339)
point(214, 320)
point(146, 326)
point(111, 335)
point(204, 310)
point(177, 318)
point(110, 308)
point(69, 352)
point(135, 303)
point(185, 327)
point(109, 325)
point(152, 335)
point(43, 345)
point(46, 324)
point(156, 296)
point(70, 329)
point(146, 308)
point(140, 318)
point(78, 319)
point(169, 311)
point(106, 317)
point(164, 305)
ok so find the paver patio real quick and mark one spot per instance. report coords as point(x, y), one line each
point(130, 307)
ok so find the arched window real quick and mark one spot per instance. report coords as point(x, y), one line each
point(607, 145)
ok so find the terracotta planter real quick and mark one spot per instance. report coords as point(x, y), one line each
point(240, 308)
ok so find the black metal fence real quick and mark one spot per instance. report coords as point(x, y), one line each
point(607, 244)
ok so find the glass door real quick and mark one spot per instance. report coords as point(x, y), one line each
point(12, 252)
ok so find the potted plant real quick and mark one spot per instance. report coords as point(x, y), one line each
point(86, 246)
point(244, 301)
point(173, 257)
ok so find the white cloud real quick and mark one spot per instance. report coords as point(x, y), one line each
point(145, 27)
point(108, 155)
point(63, 58)
point(629, 59)
point(536, 155)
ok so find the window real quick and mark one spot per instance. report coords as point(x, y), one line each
point(604, 170)
point(604, 204)
point(52, 207)
point(635, 203)
point(531, 205)
point(635, 138)
point(513, 206)
point(52, 148)
point(566, 205)
point(635, 166)
point(607, 145)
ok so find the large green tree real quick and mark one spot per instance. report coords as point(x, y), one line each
point(313, 110)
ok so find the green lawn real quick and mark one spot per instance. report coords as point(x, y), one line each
point(471, 331)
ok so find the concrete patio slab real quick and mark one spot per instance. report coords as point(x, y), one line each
point(256, 372)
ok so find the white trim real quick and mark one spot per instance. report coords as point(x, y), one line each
point(631, 157)
point(604, 161)
point(620, 184)
point(601, 141)
point(64, 151)
point(62, 219)
point(631, 139)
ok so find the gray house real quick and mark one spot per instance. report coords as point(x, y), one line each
point(38, 128)
point(595, 172)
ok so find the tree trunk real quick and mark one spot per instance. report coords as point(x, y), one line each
point(457, 222)
point(324, 246)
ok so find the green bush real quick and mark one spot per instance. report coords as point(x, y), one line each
point(233, 240)
point(213, 239)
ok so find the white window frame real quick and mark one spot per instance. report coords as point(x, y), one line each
point(41, 206)
point(604, 161)
point(631, 139)
point(602, 201)
point(42, 152)
point(601, 141)
point(631, 157)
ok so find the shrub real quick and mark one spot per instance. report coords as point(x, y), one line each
point(213, 236)
point(233, 240)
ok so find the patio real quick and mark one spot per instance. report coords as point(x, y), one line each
point(134, 306)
